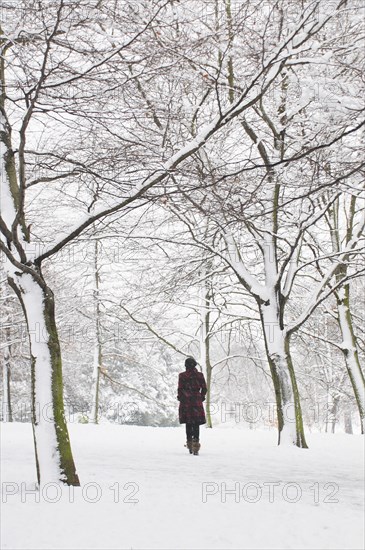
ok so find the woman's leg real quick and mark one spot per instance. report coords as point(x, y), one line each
point(189, 431)
point(196, 444)
point(189, 437)
point(195, 430)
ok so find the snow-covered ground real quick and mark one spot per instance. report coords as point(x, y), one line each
point(142, 490)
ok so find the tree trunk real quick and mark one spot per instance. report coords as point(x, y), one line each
point(54, 461)
point(331, 412)
point(96, 384)
point(334, 411)
point(349, 349)
point(208, 403)
point(348, 423)
point(7, 409)
point(97, 344)
point(277, 345)
point(349, 344)
point(205, 346)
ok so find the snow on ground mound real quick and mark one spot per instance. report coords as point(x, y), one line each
point(142, 490)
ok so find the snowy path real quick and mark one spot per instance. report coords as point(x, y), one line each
point(170, 486)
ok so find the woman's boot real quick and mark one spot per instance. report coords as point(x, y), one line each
point(189, 445)
point(195, 446)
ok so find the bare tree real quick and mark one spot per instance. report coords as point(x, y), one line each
point(270, 211)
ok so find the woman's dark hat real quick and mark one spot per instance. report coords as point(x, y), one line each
point(190, 363)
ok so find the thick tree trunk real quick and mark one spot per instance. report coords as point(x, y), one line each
point(349, 349)
point(349, 344)
point(53, 454)
point(277, 344)
point(299, 427)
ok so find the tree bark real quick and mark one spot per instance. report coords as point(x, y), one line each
point(349, 343)
point(349, 348)
point(334, 411)
point(277, 345)
point(97, 344)
point(348, 423)
point(7, 411)
point(205, 346)
point(54, 460)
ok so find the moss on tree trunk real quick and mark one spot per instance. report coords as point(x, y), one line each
point(67, 470)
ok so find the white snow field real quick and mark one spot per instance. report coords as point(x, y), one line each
point(142, 490)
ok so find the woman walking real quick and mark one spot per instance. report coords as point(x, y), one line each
point(191, 394)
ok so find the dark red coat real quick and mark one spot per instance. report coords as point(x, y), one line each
point(191, 393)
